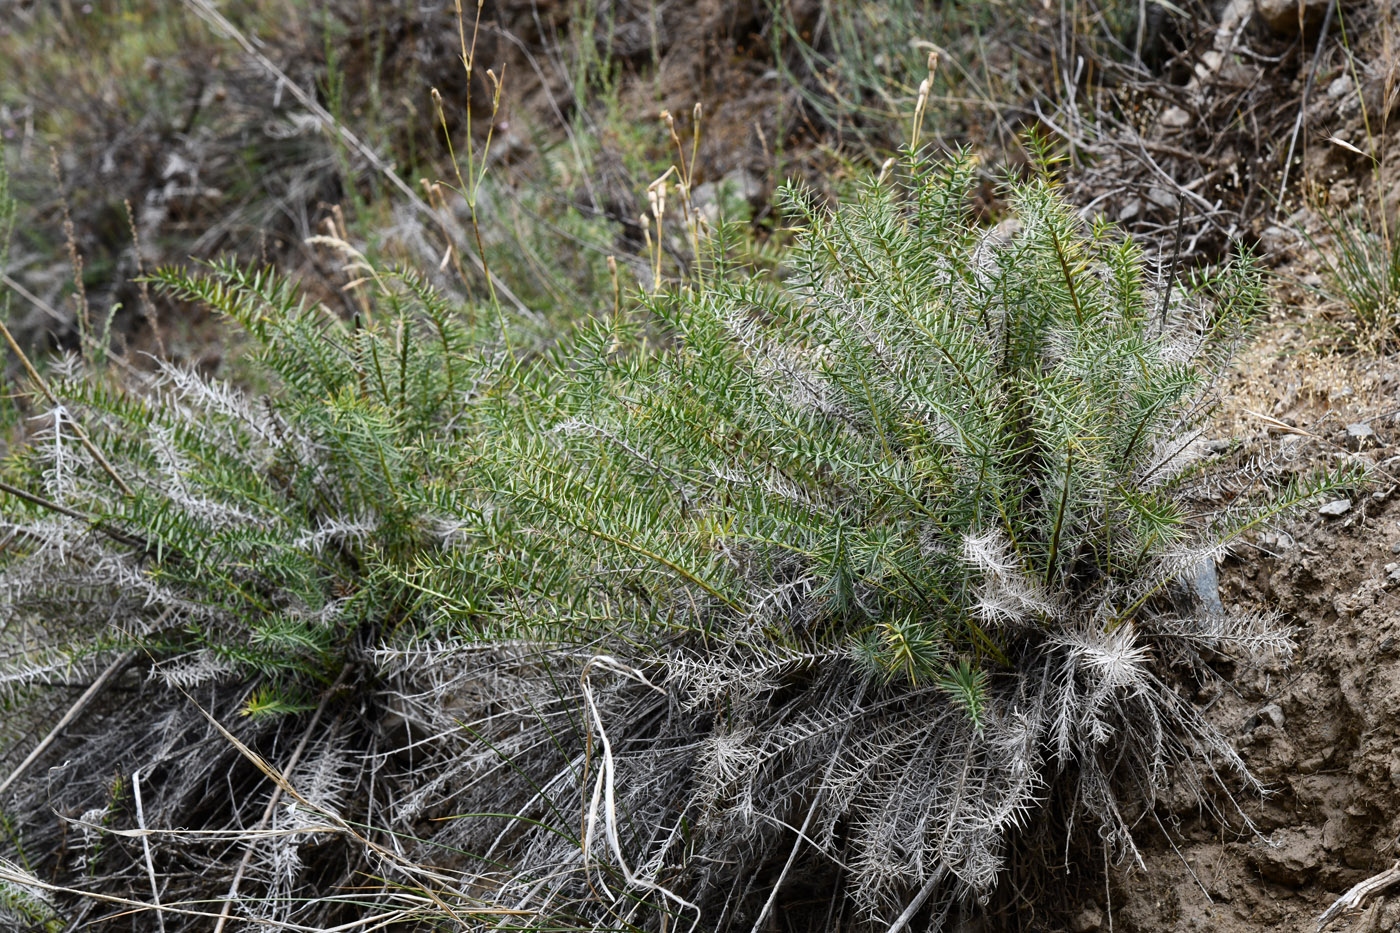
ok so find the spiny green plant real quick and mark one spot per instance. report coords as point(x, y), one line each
point(881, 549)
point(24, 904)
point(268, 521)
point(256, 552)
point(907, 534)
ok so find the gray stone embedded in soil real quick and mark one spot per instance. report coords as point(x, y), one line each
point(739, 183)
point(1205, 585)
point(1292, 857)
point(1175, 117)
point(1162, 198)
point(1359, 433)
point(1335, 508)
point(1272, 715)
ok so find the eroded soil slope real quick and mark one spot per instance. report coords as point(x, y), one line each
point(1323, 732)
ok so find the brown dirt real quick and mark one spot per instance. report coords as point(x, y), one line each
point(1324, 731)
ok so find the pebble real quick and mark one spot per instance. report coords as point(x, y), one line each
point(1206, 583)
point(1335, 508)
point(739, 184)
point(1162, 198)
point(1175, 118)
point(1359, 433)
point(1273, 715)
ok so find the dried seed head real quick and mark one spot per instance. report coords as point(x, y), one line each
point(656, 196)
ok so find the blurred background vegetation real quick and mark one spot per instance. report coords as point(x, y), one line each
point(140, 133)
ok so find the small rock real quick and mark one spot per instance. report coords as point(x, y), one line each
point(1395, 548)
point(1205, 584)
point(1278, 238)
point(1129, 211)
point(1088, 920)
point(1175, 118)
point(1392, 572)
point(1359, 434)
point(739, 184)
point(1334, 834)
point(1163, 198)
point(1283, 16)
point(1335, 508)
point(1292, 857)
point(1272, 715)
point(1339, 87)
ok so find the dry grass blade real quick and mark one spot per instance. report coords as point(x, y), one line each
point(74, 711)
point(604, 800)
point(285, 786)
point(902, 921)
point(146, 847)
point(206, 11)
